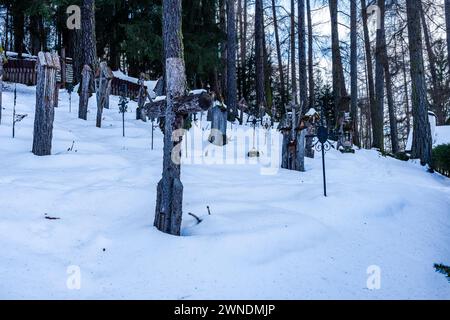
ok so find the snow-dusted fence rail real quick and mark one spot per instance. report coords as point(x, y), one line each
point(24, 70)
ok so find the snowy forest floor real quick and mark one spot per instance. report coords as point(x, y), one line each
point(268, 236)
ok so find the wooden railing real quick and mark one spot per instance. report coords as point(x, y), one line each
point(20, 71)
point(24, 71)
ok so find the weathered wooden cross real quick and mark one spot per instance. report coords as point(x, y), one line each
point(293, 147)
point(219, 115)
point(170, 189)
point(103, 81)
point(47, 66)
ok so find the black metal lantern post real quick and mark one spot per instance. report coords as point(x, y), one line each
point(123, 107)
point(323, 144)
point(69, 87)
point(16, 117)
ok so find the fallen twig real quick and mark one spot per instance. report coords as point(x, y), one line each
point(196, 218)
point(52, 218)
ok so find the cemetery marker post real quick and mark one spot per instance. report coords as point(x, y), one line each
point(47, 67)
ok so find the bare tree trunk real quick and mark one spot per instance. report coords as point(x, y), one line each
point(243, 48)
point(391, 105)
point(293, 64)
point(378, 121)
point(354, 70)
point(19, 32)
point(303, 90)
point(405, 86)
point(310, 56)
point(370, 83)
point(422, 143)
point(438, 106)
point(259, 54)
point(279, 58)
point(340, 92)
point(47, 66)
point(231, 59)
point(89, 53)
point(223, 50)
point(168, 212)
point(447, 24)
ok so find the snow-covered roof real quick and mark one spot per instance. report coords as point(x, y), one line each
point(12, 54)
point(197, 91)
point(439, 134)
point(159, 98)
point(150, 84)
point(311, 112)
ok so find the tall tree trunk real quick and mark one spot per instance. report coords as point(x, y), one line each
point(168, 212)
point(378, 121)
point(405, 86)
point(244, 51)
point(437, 104)
point(447, 24)
point(259, 54)
point(89, 53)
point(89, 42)
point(391, 104)
point(293, 64)
point(268, 96)
point(34, 35)
point(354, 70)
point(18, 27)
point(302, 76)
point(279, 57)
point(422, 143)
point(339, 90)
point(231, 59)
point(310, 56)
point(370, 82)
point(223, 49)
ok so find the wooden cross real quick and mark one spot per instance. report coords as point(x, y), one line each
point(103, 81)
point(47, 66)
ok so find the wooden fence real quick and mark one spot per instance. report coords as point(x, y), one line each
point(24, 71)
point(20, 71)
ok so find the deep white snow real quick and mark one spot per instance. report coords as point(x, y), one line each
point(269, 236)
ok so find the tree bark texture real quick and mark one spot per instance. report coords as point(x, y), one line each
point(168, 211)
point(378, 120)
point(231, 59)
point(422, 143)
point(259, 54)
point(86, 76)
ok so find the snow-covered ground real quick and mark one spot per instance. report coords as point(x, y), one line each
point(268, 236)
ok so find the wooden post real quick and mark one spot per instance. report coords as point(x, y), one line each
point(142, 97)
point(1, 83)
point(63, 68)
point(84, 95)
point(218, 135)
point(102, 82)
point(47, 66)
point(293, 146)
